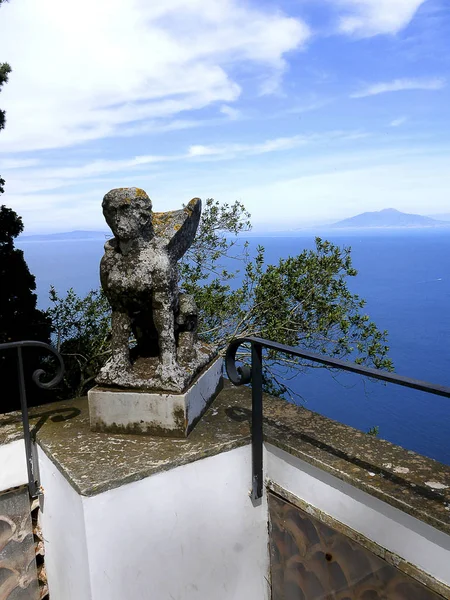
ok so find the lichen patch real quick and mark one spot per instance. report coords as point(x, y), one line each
point(435, 485)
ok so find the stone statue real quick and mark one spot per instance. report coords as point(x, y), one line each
point(139, 276)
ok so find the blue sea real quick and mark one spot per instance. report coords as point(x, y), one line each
point(405, 278)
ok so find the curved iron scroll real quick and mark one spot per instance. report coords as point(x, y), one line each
point(237, 375)
point(245, 374)
point(32, 464)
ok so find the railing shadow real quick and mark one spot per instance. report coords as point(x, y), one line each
point(241, 414)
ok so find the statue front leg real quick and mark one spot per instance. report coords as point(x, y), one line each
point(120, 338)
point(164, 319)
point(119, 363)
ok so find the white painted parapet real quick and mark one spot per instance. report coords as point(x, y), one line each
point(188, 533)
point(67, 560)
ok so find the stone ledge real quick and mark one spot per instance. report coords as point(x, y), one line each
point(96, 462)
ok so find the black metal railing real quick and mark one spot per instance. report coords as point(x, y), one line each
point(31, 456)
point(253, 374)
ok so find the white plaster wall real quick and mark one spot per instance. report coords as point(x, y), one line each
point(13, 465)
point(66, 552)
point(389, 527)
point(188, 533)
point(193, 532)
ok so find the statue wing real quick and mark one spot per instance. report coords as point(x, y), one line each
point(178, 228)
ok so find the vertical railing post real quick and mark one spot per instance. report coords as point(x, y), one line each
point(31, 466)
point(257, 422)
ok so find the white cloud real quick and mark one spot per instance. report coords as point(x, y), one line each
point(232, 113)
point(19, 163)
point(367, 18)
point(50, 178)
point(21, 179)
point(228, 151)
point(233, 150)
point(398, 122)
point(271, 84)
point(303, 107)
point(200, 150)
point(85, 70)
point(399, 85)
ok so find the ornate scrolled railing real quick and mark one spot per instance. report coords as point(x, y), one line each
point(241, 375)
point(31, 457)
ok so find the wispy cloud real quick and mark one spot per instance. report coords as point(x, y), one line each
point(367, 18)
point(399, 85)
point(232, 150)
point(398, 122)
point(130, 63)
point(228, 151)
point(19, 163)
point(308, 106)
point(232, 113)
point(33, 180)
point(28, 181)
point(327, 184)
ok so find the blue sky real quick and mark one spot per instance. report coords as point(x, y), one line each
point(305, 110)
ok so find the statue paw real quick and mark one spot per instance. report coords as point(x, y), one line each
point(114, 370)
point(172, 373)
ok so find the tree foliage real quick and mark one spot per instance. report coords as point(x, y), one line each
point(81, 329)
point(5, 70)
point(302, 300)
point(19, 317)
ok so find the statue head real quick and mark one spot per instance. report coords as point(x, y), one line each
point(128, 212)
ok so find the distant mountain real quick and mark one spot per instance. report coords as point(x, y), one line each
point(69, 235)
point(389, 217)
point(441, 217)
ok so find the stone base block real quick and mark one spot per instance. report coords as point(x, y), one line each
point(163, 414)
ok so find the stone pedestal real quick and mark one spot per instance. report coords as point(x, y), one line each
point(163, 414)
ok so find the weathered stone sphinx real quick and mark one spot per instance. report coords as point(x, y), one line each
point(164, 381)
point(139, 276)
